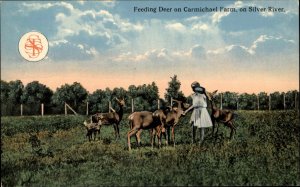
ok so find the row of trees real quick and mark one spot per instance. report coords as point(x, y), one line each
point(145, 96)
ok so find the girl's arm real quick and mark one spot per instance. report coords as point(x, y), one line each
point(187, 110)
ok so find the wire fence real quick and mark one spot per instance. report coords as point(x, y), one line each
point(262, 103)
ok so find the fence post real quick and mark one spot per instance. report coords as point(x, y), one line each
point(257, 102)
point(109, 106)
point(295, 100)
point(171, 102)
point(87, 108)
point(158, 104)
point(270, 102)
point(66, 109)
point(70, 108)
point(42, 109)
point(132, 105)
point(283, 101)
point(21, 109)
point(221, 103)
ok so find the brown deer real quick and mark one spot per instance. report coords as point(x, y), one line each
point(169, 119)
point(141, 121)
point(113, 118)
point(221, 116)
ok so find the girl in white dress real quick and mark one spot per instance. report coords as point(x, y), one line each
point(200, 117)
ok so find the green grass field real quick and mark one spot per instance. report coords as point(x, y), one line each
point(53, 151)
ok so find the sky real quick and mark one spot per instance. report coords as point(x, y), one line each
point(104, 44)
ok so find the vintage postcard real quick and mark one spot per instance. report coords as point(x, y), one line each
point(150, 93)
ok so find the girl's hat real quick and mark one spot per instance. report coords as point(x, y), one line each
point(197, 88)
point(195, 84)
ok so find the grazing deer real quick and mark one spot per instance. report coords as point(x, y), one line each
point(113, 118)
point(222, 116)
point(140, 121)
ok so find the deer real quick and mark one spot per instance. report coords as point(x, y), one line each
point(169, 119)
point(92, 128)
point(111, 118)
point(160, 121)
point(142, 120)
point(221, 116)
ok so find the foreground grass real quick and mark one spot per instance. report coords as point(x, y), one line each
point(53, 151)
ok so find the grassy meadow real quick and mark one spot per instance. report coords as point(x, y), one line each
point(54, 151)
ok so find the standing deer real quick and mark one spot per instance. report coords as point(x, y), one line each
point(139, 121)
point(91, 128)
point(170, 120)
point(113, 118)
point(221, 116)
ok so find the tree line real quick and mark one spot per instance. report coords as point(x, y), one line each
point(144, 97)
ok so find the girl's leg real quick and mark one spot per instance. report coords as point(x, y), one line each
point(202, 135)
point(193, 133)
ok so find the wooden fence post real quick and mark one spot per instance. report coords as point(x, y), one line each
point(109, 106)
point(270, 102)
point(66, 109)
point(21, 109)
point(296, 101)
point(70, 108)
point(132, 105)
point(221, 103)
point(171, 102)
point(257, 102)
point(283, 101)
point(42, 109)
point(158, 104)
point(87, 108)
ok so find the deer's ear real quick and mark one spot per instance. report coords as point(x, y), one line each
point(214, 92)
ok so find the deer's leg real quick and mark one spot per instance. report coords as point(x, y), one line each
point(158, 133)
point(95, 134)
point(173, 135)
point(152, 137)
point(129, 134)
point(118, 130)
point(163, 132)
point(88, 134)
point(99, 132)
point(215, 125)
point(230, 124)
point(168, 134)
point(115, 128)
point(138, 135)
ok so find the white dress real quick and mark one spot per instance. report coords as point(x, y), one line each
point(200, 116)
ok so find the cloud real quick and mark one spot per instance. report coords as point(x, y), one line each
point(40, 6)
point(218, 16)
point(154, 55)
point(57, 42)
point(198, 52)
point(176, 27)
point(264, 45)
point(99, 30)
point(60, 50)
point(201, 27)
